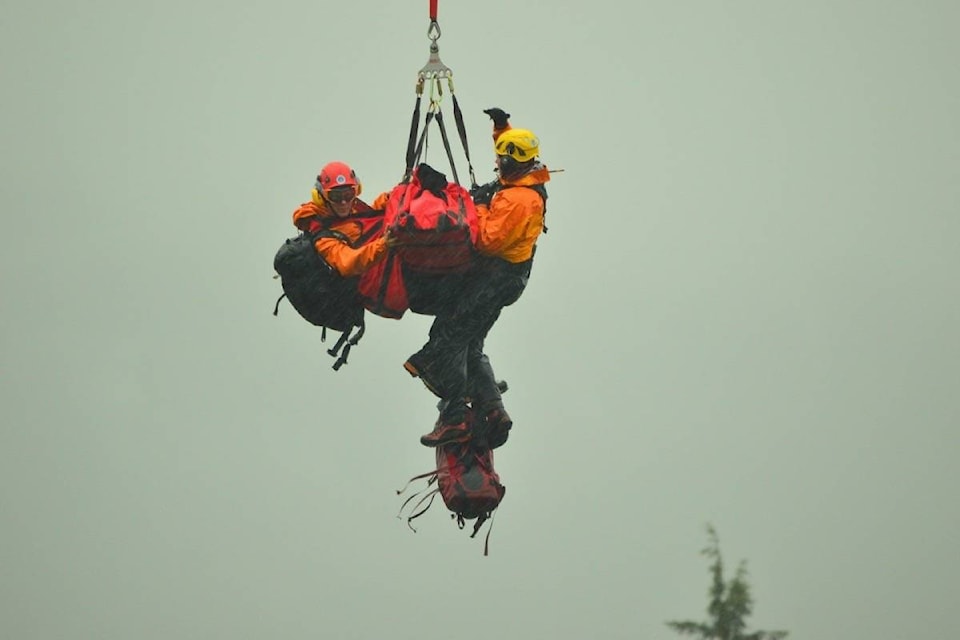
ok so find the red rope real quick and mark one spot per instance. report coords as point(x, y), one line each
point(433, 10)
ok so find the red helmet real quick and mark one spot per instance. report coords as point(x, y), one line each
point(337, 174)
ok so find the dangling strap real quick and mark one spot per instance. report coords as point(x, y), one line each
point(486, 540)
point(342, 360)
point(336, 348)
point(430, 496)
point(350, 342)
point(479, 523)
point(432, 478)
point(276, 307)
point(429, 474)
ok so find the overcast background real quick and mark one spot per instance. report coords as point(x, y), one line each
point(744, 313)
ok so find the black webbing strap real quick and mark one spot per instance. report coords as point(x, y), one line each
point(335, 350)
point(346, 342)
point(418, 139)
point(446, 146)
point(423, 139)
point(414, 124)
point(462, 131)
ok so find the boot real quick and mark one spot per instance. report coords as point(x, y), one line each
point(498, 424)
point(416, 366)
point(451, 426)
point(444, 433)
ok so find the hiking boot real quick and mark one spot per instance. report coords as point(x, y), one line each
point(446, 434)
point(417, 368)
point(498, 425)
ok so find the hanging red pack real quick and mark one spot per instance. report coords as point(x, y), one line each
point(468, 484)
point(434, 223)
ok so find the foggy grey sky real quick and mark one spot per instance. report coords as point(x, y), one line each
point(745, 312)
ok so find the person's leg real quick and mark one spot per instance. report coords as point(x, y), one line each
point(495, 423)
point(448, 372)
point(449, 369)
point(487, 398)
point(456, 341)
point(439, 363)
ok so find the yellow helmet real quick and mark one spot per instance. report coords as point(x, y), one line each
point(520, 144)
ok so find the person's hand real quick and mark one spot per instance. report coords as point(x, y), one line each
point(483, 193)
point(499, 116)
point(391, 240)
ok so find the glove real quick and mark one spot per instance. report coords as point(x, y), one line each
point(499, 116)
point(483, 193)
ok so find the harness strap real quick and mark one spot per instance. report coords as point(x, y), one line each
point(542, 192)
point(411, 142)
point(446, 146)
point(423, 138)
point(462, 131)
point(417, 140)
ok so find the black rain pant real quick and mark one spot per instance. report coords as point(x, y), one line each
point(455, 364)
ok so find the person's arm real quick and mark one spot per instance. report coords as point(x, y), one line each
point(501, 121)
point(307, 216)
point(347, 260)
point(380, 203)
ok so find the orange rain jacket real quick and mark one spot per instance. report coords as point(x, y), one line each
point(512, 222)
point(348, 261)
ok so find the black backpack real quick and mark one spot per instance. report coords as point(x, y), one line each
point(318, 292)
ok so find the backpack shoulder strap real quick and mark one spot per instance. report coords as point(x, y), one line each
point(330, 233)
point(542, 192)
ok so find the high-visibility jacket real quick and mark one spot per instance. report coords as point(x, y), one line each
point(512, 222)
point(342, 256)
